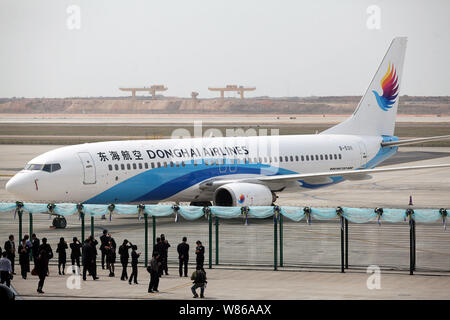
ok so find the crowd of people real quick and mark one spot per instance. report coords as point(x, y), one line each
point(40, 252)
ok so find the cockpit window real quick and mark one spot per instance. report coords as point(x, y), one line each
point(34, 166)
point(44, 167)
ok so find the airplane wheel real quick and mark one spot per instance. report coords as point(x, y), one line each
point(60, 222)
point(201, 204)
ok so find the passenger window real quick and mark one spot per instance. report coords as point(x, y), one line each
point(146, 165)
point(152, 164)
point(303, 158)
point(140, 165)
point(331, 157)
point(183, 164)
point(110, 167)
point(321, 157)
point(165, 164)
point(47, 168)
point(134, 166)
point(326, 157)
point(317, 157)
point(292, 158)
point(128, 166)
point(171, 164)
point(286, 159)
point(335, 157)
point(281, 159)
point(307, 158)
point(159, 164)
point(312, 158)
point(296, 158)
point(340, 156)
point(122, 166)
point(116, 167)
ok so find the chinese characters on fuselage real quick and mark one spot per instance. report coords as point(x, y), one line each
point(186, 153)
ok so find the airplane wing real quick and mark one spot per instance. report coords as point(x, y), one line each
point(413, 141)
point(317, 177)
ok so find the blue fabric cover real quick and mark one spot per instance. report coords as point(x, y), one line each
point(225, 212)
point(293, 213)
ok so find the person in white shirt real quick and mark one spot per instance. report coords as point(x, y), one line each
point(5, 269)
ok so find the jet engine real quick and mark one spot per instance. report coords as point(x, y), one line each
point(243, 194)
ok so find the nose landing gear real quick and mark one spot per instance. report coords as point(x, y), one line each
point(59, 222)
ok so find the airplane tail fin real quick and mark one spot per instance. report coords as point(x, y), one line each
point(377, 109)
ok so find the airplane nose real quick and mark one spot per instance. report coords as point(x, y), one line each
point(11, 185)
point(15, 185)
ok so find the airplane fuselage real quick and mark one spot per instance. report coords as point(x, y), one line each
point(174, 169)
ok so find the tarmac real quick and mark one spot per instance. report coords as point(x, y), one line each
point(217, 119)
point(311, 252)
point(240, 284)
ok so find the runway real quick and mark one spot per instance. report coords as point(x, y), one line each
point(168, 119)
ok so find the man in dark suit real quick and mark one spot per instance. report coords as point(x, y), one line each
point(134, 264)
point(200, 252)
point(35, 243)
point(183, 257)
point(94, 243)
point(157, 249)
point(124, 256)
point(75, 254)
point(89, 254)
point(165, 245)
point(104, 239)
point(47, 248)
point(10, 248)
point(154, 273)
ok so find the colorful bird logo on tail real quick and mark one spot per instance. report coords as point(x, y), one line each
point(389, 85)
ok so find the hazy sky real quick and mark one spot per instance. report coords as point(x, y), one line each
point(284, 48)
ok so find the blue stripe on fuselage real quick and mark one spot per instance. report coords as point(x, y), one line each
point(161, 183)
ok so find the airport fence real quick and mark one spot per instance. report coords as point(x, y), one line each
point(250, 235)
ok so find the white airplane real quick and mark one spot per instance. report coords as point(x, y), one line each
point(228, 171)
